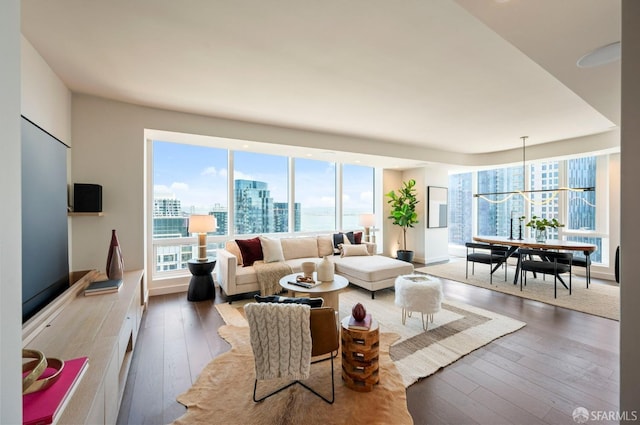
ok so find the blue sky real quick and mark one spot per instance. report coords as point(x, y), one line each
point(198, 177)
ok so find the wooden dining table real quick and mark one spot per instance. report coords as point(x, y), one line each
point(551, 244)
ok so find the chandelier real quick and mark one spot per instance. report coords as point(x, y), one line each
point(526, 193)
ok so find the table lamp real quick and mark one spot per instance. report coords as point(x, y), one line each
point(202, 224)
point(367, 221)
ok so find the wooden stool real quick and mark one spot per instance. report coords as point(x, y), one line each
point(360, 356)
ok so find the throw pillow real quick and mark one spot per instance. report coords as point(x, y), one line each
point(271, 249)
point(312, 302)
point(357, 237)
point(251, 250)
point(233, 248)
point(354, 250)
point(325, 245)
point(349, 238)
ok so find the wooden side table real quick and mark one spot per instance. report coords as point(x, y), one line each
point(360, 351)
point(201, 284)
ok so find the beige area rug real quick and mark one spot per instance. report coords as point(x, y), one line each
point(457, 330)
point(223, 391)
point(600, 299)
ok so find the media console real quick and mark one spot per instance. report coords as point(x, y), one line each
point(101, 327)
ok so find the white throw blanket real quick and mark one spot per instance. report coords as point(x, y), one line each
point(280, 339)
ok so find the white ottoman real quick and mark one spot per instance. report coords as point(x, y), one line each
point(417, 292)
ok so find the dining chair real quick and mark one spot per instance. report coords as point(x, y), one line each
point(493, 255)
point(548, 262)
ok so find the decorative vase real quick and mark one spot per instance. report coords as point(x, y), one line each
point(541, 235)
point(308, 267)
point(358, 312)
point(325, 270)
point(115, 262)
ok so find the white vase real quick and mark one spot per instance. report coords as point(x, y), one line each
point(325, 270)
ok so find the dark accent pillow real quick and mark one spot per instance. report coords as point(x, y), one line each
point(351, 238)
point(251, 250)
point(357, 237)
point(338, 238)
point(311, 302)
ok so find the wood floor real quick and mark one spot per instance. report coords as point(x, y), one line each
point(560, 361)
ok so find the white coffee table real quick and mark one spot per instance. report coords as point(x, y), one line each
point(328, 291)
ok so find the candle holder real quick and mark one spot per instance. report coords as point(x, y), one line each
point(520, 229)
point(511, 229)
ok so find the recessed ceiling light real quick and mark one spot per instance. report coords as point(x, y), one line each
point(600, 56)
point(245, 146)
point(309, 154)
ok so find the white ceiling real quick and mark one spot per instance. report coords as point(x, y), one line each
point(464, 76)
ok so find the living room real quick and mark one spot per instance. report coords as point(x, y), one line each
point(108, 143)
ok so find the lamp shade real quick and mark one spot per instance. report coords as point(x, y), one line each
point(202, 224)
point(367, 220)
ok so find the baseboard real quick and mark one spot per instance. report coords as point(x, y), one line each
point(172, 289)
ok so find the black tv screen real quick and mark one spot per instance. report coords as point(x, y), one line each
point(45, 256)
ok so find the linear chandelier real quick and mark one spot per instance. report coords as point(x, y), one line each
point(525, 193)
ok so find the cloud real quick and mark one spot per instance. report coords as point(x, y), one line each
point(162, 191)
point(179, 186)
point(239, 175)
point(345, 198)
point(209, 171)
point(222, 172)
point(366, 196)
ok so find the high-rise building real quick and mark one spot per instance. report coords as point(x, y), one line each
point(460, 207)
point(253, 207)
point(222, 219)
point(168, 219)
point(281, 216)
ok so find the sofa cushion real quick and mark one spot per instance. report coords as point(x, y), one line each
point(233, 248)
point(372, 268)
point(271, 249)
point(251, 250)
point(299, 247)
point(357, 237)
point(353, 250)
point(325, 245)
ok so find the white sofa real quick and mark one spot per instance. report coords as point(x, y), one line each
point(372, 272)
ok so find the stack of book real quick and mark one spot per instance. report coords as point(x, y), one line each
point(103, 287)
point(45, 407)
point(360, 325)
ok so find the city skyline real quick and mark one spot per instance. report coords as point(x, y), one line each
point(198, 176)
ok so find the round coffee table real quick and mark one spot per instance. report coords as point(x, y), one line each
point(328, 291)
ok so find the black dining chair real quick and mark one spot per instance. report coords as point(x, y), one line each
point(548, 262)
point(493, 255)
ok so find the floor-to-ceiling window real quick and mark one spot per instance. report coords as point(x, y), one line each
point(194, 179)
point(357, 194)
point(187, 180)
point(260, 193)
point(583, 213)
point(315, 183)
point(460, 208)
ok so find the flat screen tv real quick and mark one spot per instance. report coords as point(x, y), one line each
point(45, 251)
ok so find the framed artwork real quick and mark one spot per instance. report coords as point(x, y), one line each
point(437, 206)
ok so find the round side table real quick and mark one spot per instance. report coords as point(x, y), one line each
point(360, 350)
point(201, 284)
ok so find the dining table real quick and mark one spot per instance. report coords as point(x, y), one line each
point(550, 244)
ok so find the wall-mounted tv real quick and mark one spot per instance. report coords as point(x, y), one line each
point(45, 256)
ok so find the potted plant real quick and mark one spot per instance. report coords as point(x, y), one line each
point(540, 226)
point(403, 213)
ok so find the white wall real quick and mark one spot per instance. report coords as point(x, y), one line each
point(630, 176)
point(436, 239)
point(10, 231)
point(45, 99)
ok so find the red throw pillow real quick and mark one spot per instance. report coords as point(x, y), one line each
point(251, 250)
point(357, 236)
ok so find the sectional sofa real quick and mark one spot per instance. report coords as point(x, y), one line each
point(359, 264)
